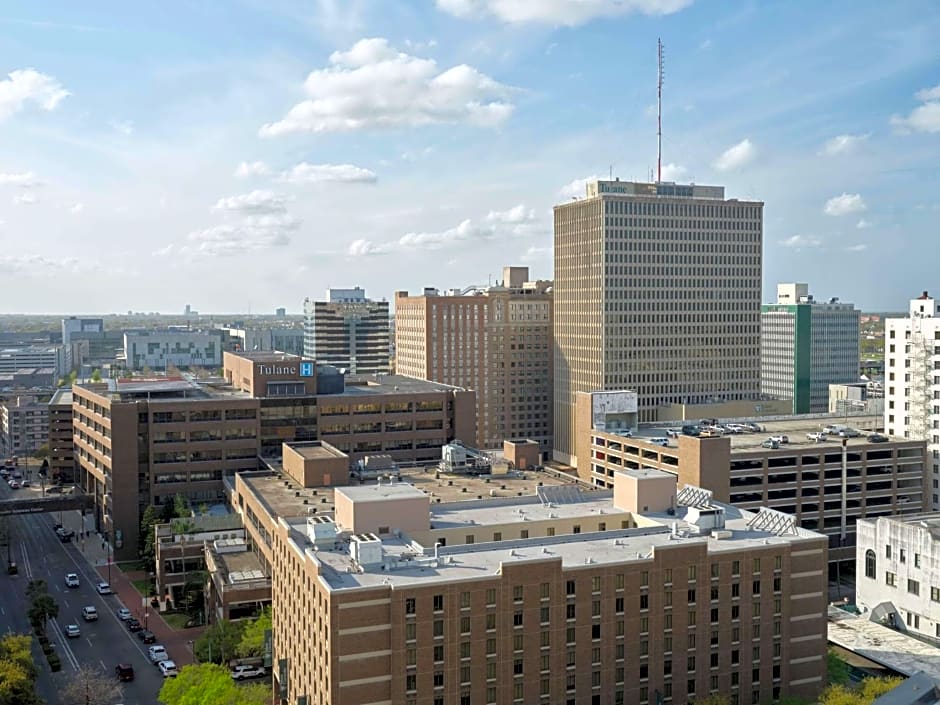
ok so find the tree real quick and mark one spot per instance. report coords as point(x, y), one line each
point(209, 684)
point(252, 643)
point(865, 694)
point(42, 606)
point(219, 642)
point(17, 671)
point(180, 506)
point(837, 670)
point(41, 452)
point(96, 375)
point(147, 549)
point(90, 686)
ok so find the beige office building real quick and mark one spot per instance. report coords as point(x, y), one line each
point(657, 289)
point(496, 340)
point(572, 595)
point(61, 449)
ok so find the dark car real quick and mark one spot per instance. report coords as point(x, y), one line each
point(124, 672)
point(147, 636)
point(878, 438)
point(133, 625)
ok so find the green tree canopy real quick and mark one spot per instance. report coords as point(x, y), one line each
point(17, 672)
point(96, 375)
point(42, 606)
point(210, 684)
point(865, 694)
point(252, 643)
point(150, 518)
point(219, 642)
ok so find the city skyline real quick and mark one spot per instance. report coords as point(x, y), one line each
point(168, 154)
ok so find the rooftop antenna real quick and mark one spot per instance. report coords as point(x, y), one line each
point(659, 113)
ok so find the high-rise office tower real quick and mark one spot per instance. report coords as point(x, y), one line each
point(912, 379)
point(657, 289)
point(806, 345)
point(348, 331)
point(496, 340)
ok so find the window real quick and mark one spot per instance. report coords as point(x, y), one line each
point(888, 551)
point(891, 579)
point(491, 596)
point(517, 593)
point(409, 605)
point(517, 618)
point(411, 682)
point(902, 557)
point(917, 560)
point(438, 627)
point(913, 587)
point(570, 611)
point(438, 602)
point(464, 599)
point(870, 564)
point(595, 631)
point(644, 602)
point(569, 587)
point(438, 679)
point(439, 652)
point(735, 567)
point(934, 594)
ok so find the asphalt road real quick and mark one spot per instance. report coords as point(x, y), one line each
point(103, 643)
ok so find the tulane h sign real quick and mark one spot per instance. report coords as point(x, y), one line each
point(306, 369)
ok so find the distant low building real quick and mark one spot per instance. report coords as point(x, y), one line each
point(159, 350)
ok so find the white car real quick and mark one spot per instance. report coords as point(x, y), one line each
point(103, 588)
point(72, 631)
point(89, 614)
point(71, 580)
point(124, 614)
point(157, 653)
point(242, 671)
point(168, 669)
point(816, 436)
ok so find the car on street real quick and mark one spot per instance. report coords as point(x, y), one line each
point(14, 485)
point(816, 436)
point(71, 580)
point(780, 439)
point(124, 672)
point(103, 588)
point(878, 438)
point(133, 624)
point(157, 653)
point(72, 631)
point(769, 443)
point(55, 489)
point(89, 613)
point(168, 669)
point(25, 483)
point(146, 636)
point(124, 614)
point(244, 671)
point(673, 432)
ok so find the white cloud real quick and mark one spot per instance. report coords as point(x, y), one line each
point(255, 202)
point(862, 224)
point(518, 221)
point(536, 254)
point(673, 172)
point(800, 241)
point(251, 233)
point(558, 12)
point(928, 94)
point(247, 169)
point(843, 144)
point(367, 248)
point(736, 156)
point(374, 86)
point(36, 264)
point(76, 208)
point(25, 179)
point(25, 199)
point(845, 204)
point(305, 173)
point(861, 247)
point(923, 118)
point(29, 86)
point(576, 188)
point(125, 127)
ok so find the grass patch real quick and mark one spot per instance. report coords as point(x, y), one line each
point(175, 620)
point(134, 565)
point(143, 586)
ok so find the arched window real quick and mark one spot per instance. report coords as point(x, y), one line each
point(870, 564)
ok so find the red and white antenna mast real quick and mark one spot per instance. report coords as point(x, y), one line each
point(659, 113)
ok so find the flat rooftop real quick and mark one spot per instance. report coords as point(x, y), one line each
point(473, 561)
point(313, 451)
point(267, 356)
point(380, 493)
point(882, 645)
point(239, 566)
point(358, 385)
point(280, 493)
point(795, 428)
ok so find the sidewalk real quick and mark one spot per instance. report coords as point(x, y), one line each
point(176, 641)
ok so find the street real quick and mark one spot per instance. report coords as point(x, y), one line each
point(103, 643)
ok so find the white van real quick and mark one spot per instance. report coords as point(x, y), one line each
point(659, 441)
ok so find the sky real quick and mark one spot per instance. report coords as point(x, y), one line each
point(243, 155)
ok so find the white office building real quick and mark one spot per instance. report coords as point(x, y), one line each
point(912, 380)
point(898, 572)
point(159, 350)
point(24, 426)
point(13, 360)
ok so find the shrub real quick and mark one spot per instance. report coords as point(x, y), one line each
point(47, 649)
point(55, 664)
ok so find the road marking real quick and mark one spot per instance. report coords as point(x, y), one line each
point(69, 654)
point(65, 602)
point(2, 611)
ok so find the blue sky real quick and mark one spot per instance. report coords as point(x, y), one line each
point(254, 152)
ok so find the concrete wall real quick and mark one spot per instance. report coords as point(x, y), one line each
point(326, 468)
point(642, 491)
point(406, 512)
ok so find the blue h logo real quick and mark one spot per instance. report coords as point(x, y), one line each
point(306, 369)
